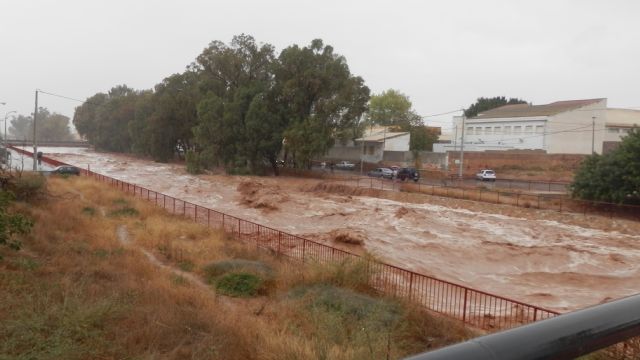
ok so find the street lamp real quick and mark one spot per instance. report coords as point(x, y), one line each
point(5, 125)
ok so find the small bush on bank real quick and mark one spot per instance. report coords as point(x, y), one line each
point(215, 269)
point(240, 284)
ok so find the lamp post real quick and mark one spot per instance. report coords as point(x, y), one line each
point(5, 125)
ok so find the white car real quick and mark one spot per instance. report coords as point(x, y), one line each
point(381, 172)
point(486, 175)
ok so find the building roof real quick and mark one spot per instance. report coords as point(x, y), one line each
point(381, 137)
point(623, 117)
point(526, 110)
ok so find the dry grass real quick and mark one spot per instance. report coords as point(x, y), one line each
point(79, 291)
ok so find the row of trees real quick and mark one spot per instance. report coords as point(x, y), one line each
point(51, 127)
point(240, 105)
point(237, 105)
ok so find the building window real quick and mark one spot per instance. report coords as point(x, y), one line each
point(517, 130)
point(371, 149)
point(613, 130)
point(624, 131)
point(497, 130)
point(539, 129)
point(507, 130)
point(487, 130)
point(470, 130)
point(528, 129)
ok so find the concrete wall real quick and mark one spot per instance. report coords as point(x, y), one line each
point(397, 156)
point(398, 143)
point(474, 161)
point(338, 153)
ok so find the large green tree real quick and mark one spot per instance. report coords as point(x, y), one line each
point(393, 108)
point(612, 177)
point(85, 116)
point(319, 97)
point(236, 79)
point(484, 104)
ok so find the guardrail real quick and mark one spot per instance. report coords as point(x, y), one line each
point(536, 201)
point(567, 336)
point(474, 307)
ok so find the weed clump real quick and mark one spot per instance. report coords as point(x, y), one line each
point(239, 277)
point(215, 269)
point(124, 211)
point(240, 284)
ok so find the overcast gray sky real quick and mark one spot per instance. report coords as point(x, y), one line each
point(443, 54)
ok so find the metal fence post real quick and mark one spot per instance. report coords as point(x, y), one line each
point(209, 217)
point(304, 246)
point(464, 306)
point(411, 286)
point(279, 241)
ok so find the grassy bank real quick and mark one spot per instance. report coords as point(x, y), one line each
point(103, 275)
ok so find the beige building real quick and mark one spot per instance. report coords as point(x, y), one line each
point(562, 127)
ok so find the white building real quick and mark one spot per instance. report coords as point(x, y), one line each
point(375, 143)
point(562, 127)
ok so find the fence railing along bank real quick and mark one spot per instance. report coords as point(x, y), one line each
point(474, 307)
point(536, 201)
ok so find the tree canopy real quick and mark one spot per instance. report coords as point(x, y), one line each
point(612, 177)
point(50, 127)
point(393, 108)
point(484, 104)
point(237, 105)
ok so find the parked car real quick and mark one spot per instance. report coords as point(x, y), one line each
point(486, 175)
point(408, 174)
point(345, 165)
point(381, 172)
point(395, 170)
point(66, 170)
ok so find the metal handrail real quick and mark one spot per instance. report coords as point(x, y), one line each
point(563, 337)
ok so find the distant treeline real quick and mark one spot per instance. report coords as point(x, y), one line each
point(238, 105)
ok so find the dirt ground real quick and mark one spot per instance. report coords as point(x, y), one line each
point(559, 261)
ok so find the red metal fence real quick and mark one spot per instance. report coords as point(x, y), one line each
point(474, 307)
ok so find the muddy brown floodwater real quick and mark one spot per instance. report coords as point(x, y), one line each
point(542, 260)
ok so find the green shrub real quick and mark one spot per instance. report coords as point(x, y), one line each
point(240, 284)
point(215, 269)
point(348, 304)
point(124, 211)
point(89, 211)
point(186, 265)
point(194, 163)
point(612, 177)
point(11, 225)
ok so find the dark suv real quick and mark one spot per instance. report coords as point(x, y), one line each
point(408, 174)
point(66, 170)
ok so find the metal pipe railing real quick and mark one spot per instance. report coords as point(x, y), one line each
point(562, 337)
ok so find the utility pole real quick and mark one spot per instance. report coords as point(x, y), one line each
point(461, 146)
point(593, 135)
point(35, 143)
point(455, 140)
